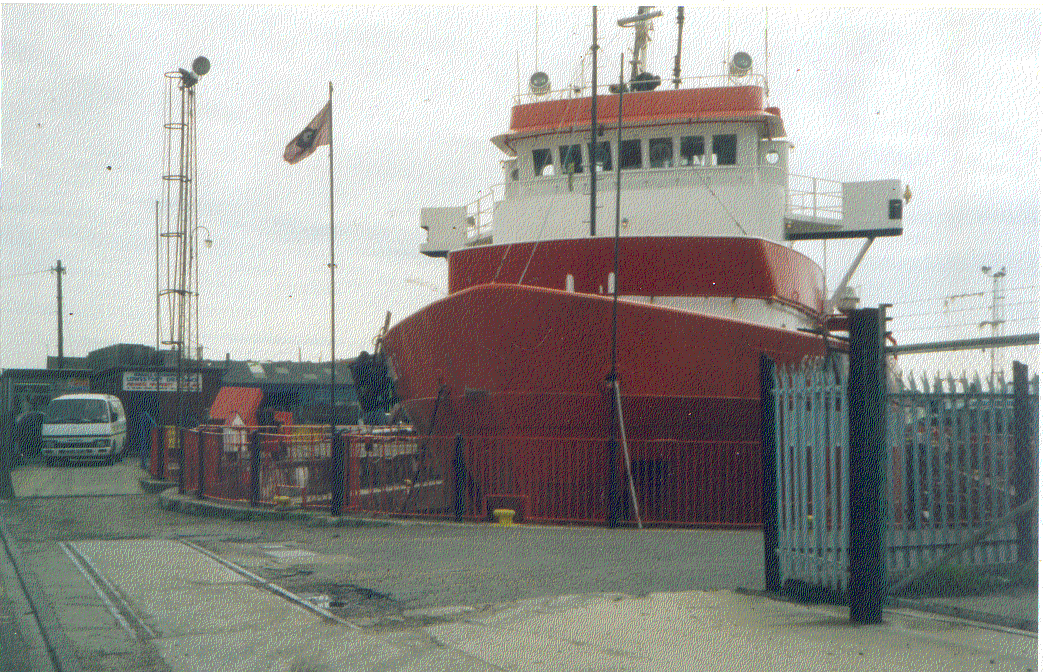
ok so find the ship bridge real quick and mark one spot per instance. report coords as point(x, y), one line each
point(710, 159)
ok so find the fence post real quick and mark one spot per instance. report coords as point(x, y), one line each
point(201, 491)
point(349, 463)
point(255, 467)
point(867, 398)
point(769, 494)
point(336, 474)
point(612, 459)
point(1023, 463)
point(458, 479)
point(181, 460)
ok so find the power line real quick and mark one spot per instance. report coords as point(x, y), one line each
point(962, 324)
point(27, 273)
point(949, 296)
point(946, 311)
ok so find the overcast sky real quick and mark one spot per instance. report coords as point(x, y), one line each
point(945, 100)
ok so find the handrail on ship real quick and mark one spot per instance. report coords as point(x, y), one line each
point(582, 91)
point(807, 195)
point(480, 212)
point(815, 196)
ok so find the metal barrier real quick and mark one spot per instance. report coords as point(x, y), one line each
point(544, 479)
point(950, 474)
point(164, 461)
point(811, 474)
point(951, 470)
point(554, 480)
point(295, 465)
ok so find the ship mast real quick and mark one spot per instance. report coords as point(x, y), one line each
point(594, 128)
point(642, 27)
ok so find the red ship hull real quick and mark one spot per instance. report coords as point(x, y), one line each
point(528, 361)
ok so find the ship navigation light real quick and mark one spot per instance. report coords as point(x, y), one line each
point(539, 84)
point(740, 65)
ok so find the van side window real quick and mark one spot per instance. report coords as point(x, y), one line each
point(724, 150)
point(692, 150)
point(571, 158)
point(542, 162)
point(661, 153)
point(630, 154)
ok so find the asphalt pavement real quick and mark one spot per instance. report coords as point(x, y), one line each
point(139, 585)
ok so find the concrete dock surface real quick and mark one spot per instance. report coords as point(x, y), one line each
point(200, 602)
point(200, 615)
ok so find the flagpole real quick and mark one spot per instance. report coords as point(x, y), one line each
point(336, 450)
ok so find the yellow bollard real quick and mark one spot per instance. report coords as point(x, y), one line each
point(504, 517)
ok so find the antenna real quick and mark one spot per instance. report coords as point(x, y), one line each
point(765, 51)
point(677, 57)
point(536, 67)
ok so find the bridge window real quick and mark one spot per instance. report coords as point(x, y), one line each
point(542, 162)
point(630, 154)
point(724, 150)
point(661, 153)
point(603, 159)
point(692, 150)
point(571, 158)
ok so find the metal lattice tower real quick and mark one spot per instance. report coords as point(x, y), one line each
point(178, 219)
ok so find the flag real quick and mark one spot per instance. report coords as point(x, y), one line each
point(314, 134)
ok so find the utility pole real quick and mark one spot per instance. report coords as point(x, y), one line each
point(60, 271)
point(995, 322)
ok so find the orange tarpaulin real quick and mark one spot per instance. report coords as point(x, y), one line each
point(243, 401)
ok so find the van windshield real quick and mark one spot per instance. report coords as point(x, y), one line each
point(69, 411)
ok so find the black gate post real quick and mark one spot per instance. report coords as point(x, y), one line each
point(458, 479)
point(1023, 463)
point(255, 468)
point(867, 398)
point(612, 459)
point(181, 460)
point(200, 441)
point(769, 494)
point(612, 514)
point(336, 473)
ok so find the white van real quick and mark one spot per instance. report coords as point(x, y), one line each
point(84, 426)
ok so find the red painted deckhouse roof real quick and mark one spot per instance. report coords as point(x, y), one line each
point(242, 400)
point(729, 103)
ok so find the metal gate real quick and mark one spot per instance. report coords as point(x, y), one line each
point(811, 473)
point(955, 469)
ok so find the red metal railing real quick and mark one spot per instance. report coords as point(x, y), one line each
point(545, 479)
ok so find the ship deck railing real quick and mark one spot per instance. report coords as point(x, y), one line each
point(809, 200)
point(480, 216)
point(814, 199)
point(608, 89)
